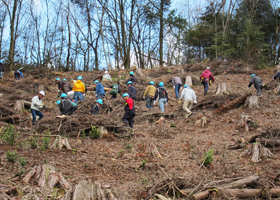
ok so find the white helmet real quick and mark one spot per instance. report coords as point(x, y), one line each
point(207, 67)
point(42, 93)
point(106, 72)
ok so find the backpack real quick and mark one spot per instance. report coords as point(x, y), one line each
point(114, 90)
point(65, 106)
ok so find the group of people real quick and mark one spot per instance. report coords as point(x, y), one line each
point(71, 95)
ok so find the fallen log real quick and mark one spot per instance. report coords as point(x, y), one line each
point(237, 193)
point(232, 104)
point(6, 109)
point(58, 73)
point(270, 142)
point(240, 183)
point(10, 118)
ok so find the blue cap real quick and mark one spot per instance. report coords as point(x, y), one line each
point(131, 73)
point(64, 79)
point(99, 101)
point(58, 102)
point(1, 61)
point(161, 84)
point(57, 79)
point(125, 95)
point(253, 75)
point(96, 81)
point(152, 83)
point(80, 78)
point(63, 95)
point(129, 82)
point(186, 86)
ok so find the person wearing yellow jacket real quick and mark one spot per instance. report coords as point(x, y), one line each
point(150, 94)
point(79, 89)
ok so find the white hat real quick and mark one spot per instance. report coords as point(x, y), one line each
point(207, 67)
point(42, 93)
point(106, 72)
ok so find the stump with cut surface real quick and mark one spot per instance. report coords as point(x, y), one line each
point(222, 89)
point(47, 178)
point(89, 190)
point(201, 122)
point(257, 152)
point(60, 142)
point(188, 80)
point(252, 102)
point(245, 122)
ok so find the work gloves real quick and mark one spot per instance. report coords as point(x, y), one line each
point(248, 88)
point(96, 95)
point(173, 86)
point(194, 101)
point(84, 95)
point(143, 97)
point(179, 102)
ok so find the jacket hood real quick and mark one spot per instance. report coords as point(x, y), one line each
point(78, 81)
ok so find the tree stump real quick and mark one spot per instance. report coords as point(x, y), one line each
point(277, 89)
point(245, 122)
point(252, 102)
point(41, 88)
point(152, 150)
point(138, 72)
point(60, 142)
point(201, 122)
point(188, 80)
point(47, 178)
point(222, 89)
point(88, 190)
point(257, 151)
point(18, 105)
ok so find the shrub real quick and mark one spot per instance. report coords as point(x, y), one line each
point(33, 142)
point(9, 135)
point(94, 133)
point(207, 158)
point(46, 141)
point(12, 156)
point(23, 161)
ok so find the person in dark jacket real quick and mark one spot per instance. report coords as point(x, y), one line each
point(162, 96)
point(132, 78)
point(58, 82)
point(1, 69)
point(18, 74)
point(206, 77)
point(257, 81)
point(99, 90)
point(95, 108)
point(275, 77)
point(66, 107)
point(132, 91)
point(66, 86)
point(116, 89)
point(129, 111)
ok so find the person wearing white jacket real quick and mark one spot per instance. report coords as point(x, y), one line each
point(36, 106)
point(107, 76)
point(189, 99)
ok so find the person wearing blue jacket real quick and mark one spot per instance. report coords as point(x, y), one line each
point(99, 90)
point(132, 91)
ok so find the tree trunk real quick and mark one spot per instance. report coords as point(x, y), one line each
point(222, 89)
point(12, 33)
point(69, 40)
point(10, 118)
point(161, 32)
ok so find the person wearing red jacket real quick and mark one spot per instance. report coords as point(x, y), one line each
point(205, 77)
point(129, 111)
